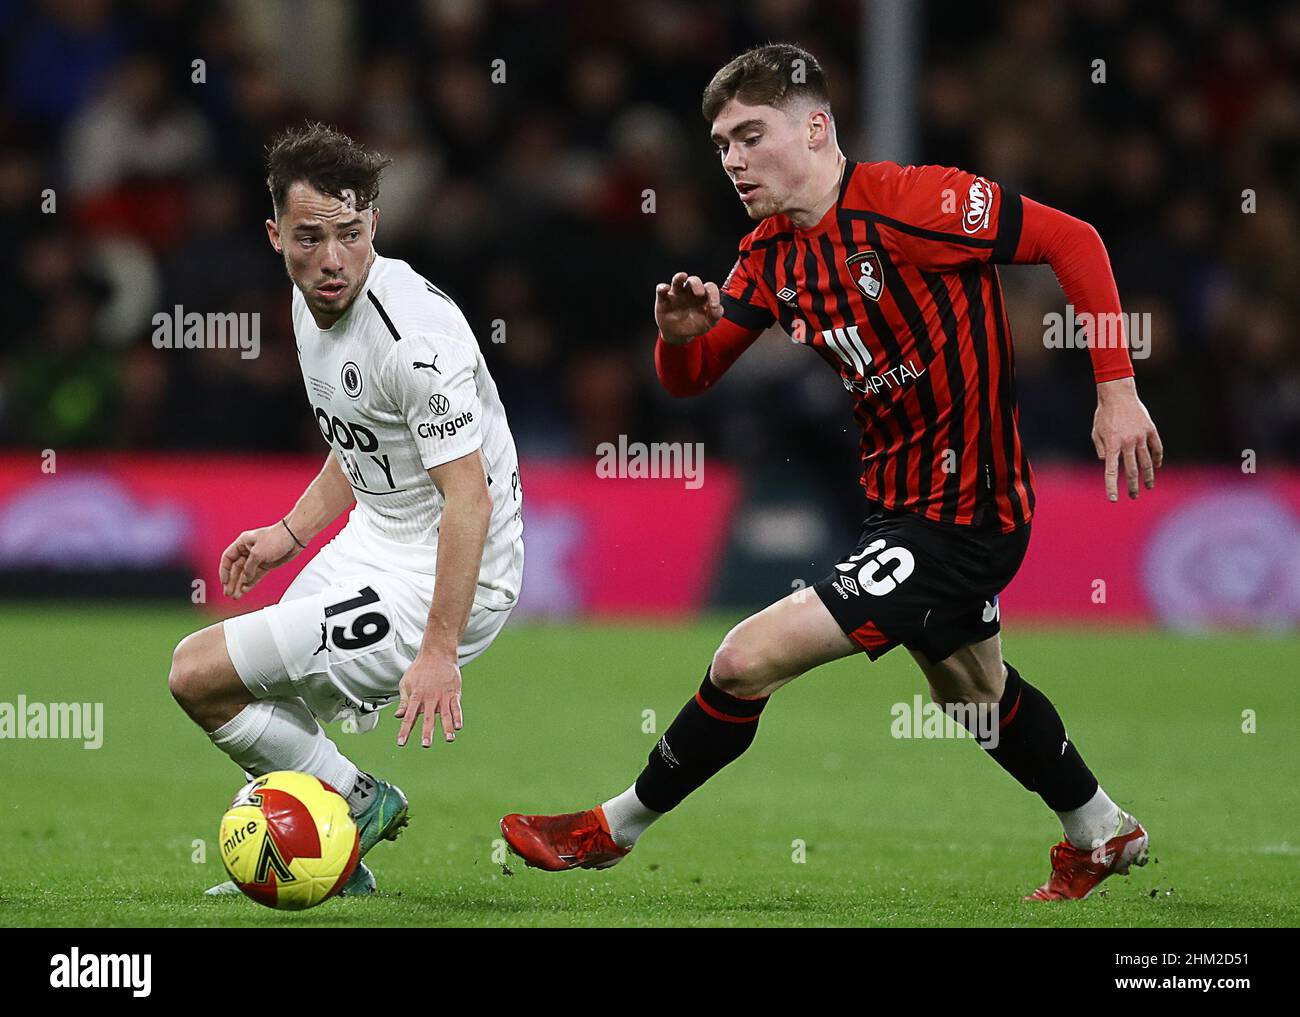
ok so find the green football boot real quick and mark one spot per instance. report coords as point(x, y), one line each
point(360, 884)
point(385, 813)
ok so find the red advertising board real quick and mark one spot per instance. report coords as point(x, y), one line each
point(1207, 548)
point(595, 546)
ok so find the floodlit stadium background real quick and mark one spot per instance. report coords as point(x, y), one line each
point(524, 200)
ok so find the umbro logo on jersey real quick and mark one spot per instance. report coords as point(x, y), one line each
point(869, 278)
point(846, 585)
point(786, 295)
point(351, 379)
point(434, 366)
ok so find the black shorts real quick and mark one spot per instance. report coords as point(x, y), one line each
point(932, 587)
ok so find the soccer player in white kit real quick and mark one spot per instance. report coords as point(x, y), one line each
point(426, 571)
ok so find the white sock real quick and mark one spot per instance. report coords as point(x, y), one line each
point(1093, 823)
point(282, 734)
point(362, 788)
point(628, 818)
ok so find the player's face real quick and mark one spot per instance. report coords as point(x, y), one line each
point(328, 245)
point(766, 153)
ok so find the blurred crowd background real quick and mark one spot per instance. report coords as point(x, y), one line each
point(523, 200)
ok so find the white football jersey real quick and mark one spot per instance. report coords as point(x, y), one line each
point(398, 385)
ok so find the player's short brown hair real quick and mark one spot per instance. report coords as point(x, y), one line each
point(327, 159)
point(772, 75)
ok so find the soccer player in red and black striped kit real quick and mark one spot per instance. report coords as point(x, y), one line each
point(887, 273)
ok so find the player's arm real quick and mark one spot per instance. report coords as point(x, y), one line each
point(702, 330)
point(431, 684)
point(1121, 427)
point(444, 419)
point(956, 218)
point(255, 552)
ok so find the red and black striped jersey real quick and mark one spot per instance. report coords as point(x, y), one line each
point(896, 289)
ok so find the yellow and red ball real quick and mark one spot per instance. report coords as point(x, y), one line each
point(288, 841)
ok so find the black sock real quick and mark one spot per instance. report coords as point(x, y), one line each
point(1032, 747)
point(712, 729)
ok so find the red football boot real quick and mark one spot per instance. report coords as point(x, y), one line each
point(575, 840)
point(1076, 873)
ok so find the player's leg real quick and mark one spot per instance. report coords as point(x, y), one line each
point(232, 680)
point(203, 681)
point(260, 734)
point(1024, 734)
point(972, 674)
point(302, 661)
point(714, 728)
point(1030, 742)
point(757, 657)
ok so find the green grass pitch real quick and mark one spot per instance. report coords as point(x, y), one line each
point(894, 832)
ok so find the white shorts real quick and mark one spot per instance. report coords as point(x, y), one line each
point(347, 629)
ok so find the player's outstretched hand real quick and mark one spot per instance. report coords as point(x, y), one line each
point(1123, 429)
point(686, 307)
point(430, 686)
point(253, 554)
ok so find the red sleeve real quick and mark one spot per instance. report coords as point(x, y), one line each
point(693, 367)
point(1078, 257)
point(942, 218)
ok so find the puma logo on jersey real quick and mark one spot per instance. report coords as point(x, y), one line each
point(417, 364)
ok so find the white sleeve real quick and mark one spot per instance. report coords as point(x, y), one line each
point(431, 378)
